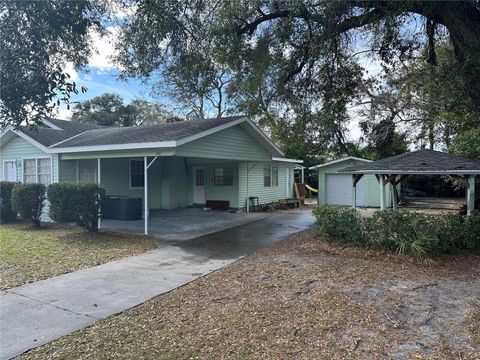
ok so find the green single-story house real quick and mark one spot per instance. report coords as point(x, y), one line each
point(171, 165)
point(335, 188)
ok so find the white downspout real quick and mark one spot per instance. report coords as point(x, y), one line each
point(145, 194)
point(248, 200)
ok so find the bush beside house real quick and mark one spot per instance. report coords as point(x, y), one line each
point(80, 203)
point(6, 210)
point(27, 201)
point(400, 231)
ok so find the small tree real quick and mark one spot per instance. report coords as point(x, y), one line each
point(27, 200)
point(6, 211)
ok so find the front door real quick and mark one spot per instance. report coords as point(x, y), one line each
point(199, 185)
point(9, 171)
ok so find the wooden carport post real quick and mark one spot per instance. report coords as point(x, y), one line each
point(470, 194)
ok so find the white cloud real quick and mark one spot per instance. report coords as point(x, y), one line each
point(103, 50)
point(64, 113)
point(70, 70)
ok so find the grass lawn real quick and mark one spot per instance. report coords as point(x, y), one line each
point(301, 298)
point(27, 254)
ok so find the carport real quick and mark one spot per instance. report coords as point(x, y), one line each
point(395, 169)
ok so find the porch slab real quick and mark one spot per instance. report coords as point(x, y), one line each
point(185, 224)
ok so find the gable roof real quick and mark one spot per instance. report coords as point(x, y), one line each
point(423, 161)
point(51, 132)
point(339, 161)
point(144, 134)
point(80, 137)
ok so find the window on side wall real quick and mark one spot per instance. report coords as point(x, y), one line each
point(38, 170)
point(270, 175)
point(274, 175)
point(223, 176)
point(137, 173)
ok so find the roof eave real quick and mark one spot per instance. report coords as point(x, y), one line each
point(413, 172)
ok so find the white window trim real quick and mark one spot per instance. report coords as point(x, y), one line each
point(36, 158)
point(130, 173)
point(271, 166)
point(224, 167)
point(16, 168)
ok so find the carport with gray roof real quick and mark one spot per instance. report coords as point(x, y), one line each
point(394, 169)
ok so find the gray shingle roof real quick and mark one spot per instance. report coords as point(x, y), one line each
point(48, 136)
point(146, 133)
point(428, 161)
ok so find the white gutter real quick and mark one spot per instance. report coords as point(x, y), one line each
point(412, 172)
point(296, 161)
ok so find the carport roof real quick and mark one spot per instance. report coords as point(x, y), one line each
point(428, 162)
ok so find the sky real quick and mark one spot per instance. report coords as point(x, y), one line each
point(101, 76)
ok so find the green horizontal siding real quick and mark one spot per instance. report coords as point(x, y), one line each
point(233, 143)
point(17, 149)
point(222, 192)
point(265, 194)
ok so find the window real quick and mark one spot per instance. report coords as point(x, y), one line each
point(199, 177)
point(274, 175)
point(223, 176)
point(44, 171)
point(270, 175)
point(37, 170)
point(136, 173)
point(29, 173)
point(267, 178)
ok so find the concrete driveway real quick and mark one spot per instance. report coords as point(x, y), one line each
point(34, 314)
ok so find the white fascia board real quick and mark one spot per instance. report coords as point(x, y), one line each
point(70, 138)
point(129, 146)
point(50, 124)
point(413, 172)
point(338, 161)
point(296, 161)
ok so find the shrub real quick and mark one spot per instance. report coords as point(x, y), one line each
point(80, 203)
point(338, 224)
point(6, 211)
point(400, 231)
point(63, 198)
point(27, 201)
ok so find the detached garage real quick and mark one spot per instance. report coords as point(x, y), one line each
point(336, 189)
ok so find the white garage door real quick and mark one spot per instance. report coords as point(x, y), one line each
point(339, 190)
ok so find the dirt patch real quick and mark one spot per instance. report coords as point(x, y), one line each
point(301, 298)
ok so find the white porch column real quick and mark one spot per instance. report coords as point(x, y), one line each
point(303, 175)
point(99, 184)
point(145, 193)
point(470, 194)
point(383, 202)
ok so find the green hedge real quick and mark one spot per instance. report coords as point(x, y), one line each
point(6, 211)
point(80, 203)
point(399, 230)
point(27, 201)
